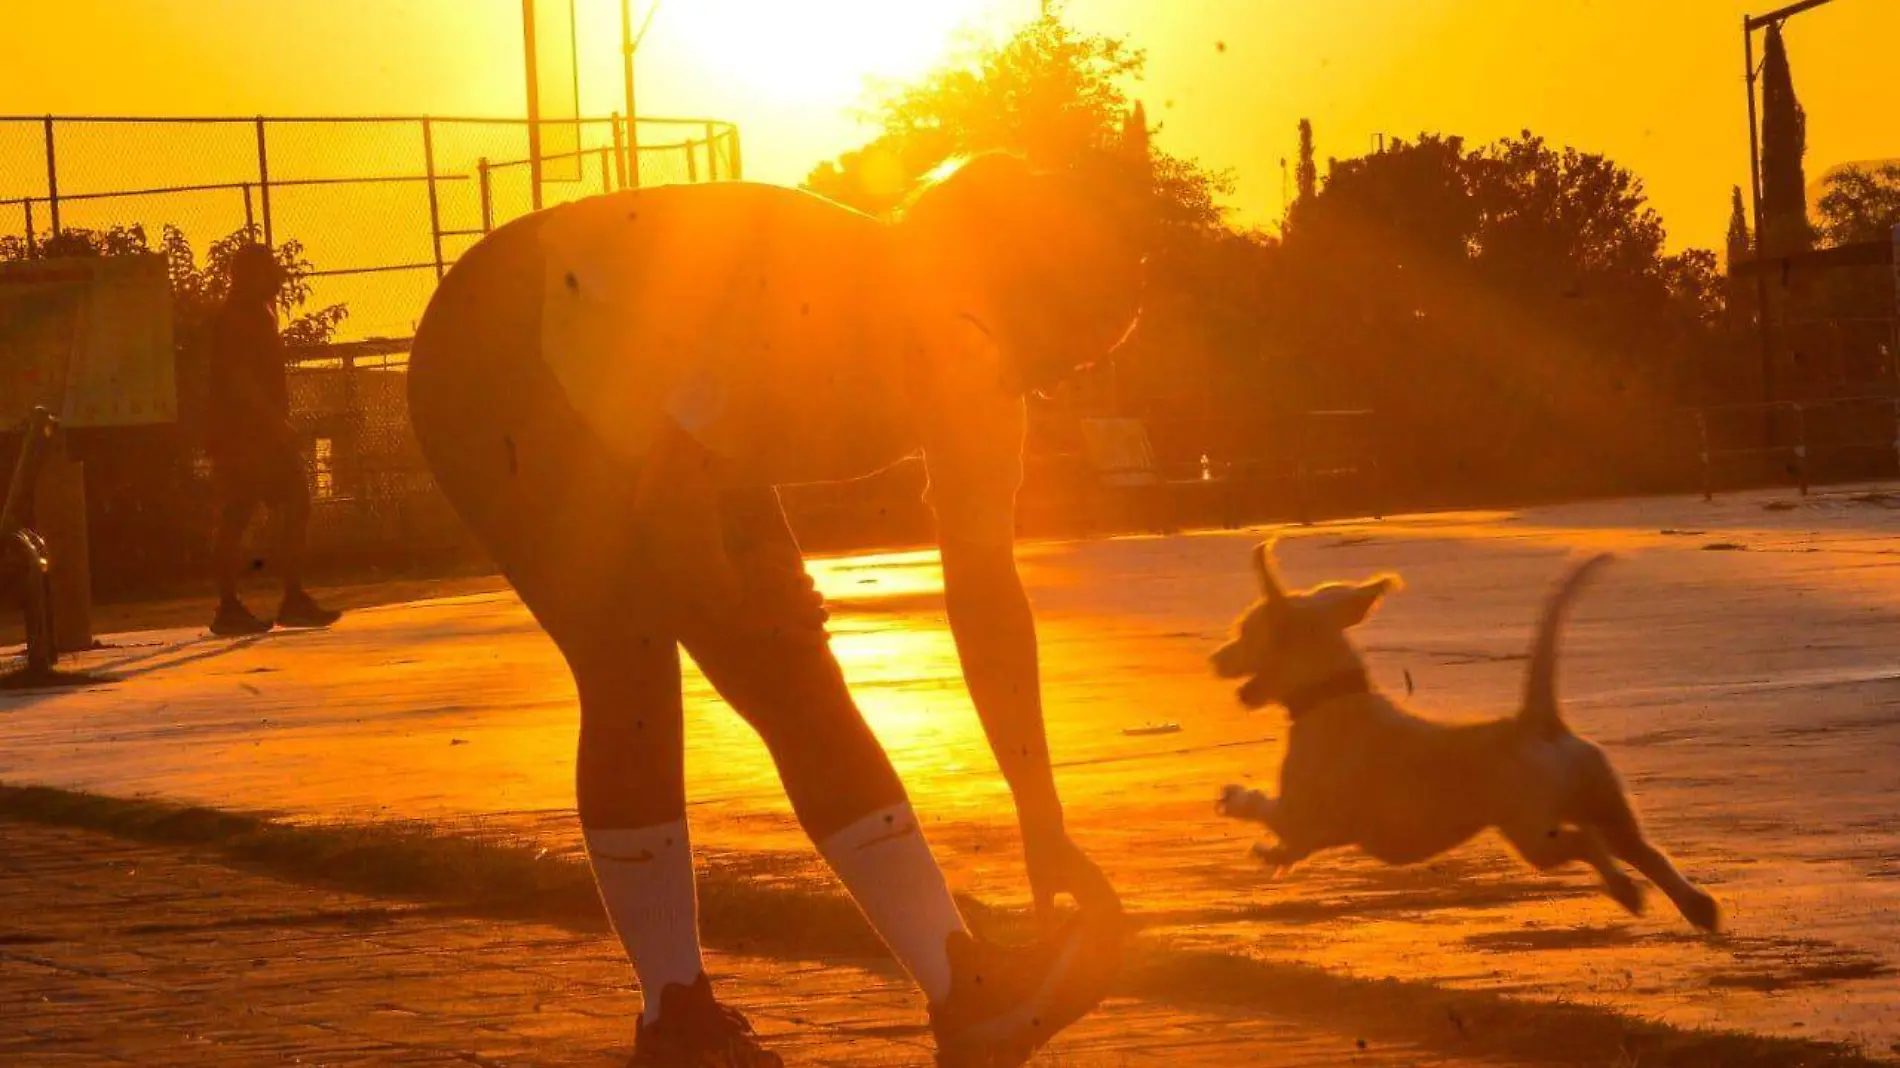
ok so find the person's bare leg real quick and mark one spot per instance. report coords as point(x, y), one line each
point(290, 520)
point(232, 619)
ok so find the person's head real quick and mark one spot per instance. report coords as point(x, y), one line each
point(256, 276)
point(1053, 266)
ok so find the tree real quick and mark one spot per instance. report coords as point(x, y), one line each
point(197, 288)
point(1784, 136)
point(1051, 93)
point(1306, 175)
point(1740, 244)
point(1860, 204)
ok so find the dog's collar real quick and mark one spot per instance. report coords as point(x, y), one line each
point(1308, 699)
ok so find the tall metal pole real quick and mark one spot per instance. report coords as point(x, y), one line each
point(1766, 329)
point(627, 48)
point(534, 105)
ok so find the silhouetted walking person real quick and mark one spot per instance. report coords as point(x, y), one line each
point(253, 450)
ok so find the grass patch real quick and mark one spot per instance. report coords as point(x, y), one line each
point(744, 909)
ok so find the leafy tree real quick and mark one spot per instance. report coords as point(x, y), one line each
point(1741, 246)
point(1784, 137)
point(1860, 204)
point(197, 288)
point(1306, 175)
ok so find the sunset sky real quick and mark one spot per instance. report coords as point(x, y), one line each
point(1657, 85)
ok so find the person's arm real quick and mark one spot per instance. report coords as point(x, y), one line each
point(974, 476)
point(995, 634)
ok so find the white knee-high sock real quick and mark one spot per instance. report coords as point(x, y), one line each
point(886, 864)
point(645, 875)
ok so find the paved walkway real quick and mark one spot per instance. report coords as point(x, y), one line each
point(119, 953)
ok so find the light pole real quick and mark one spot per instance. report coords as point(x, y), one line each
point(629, 44)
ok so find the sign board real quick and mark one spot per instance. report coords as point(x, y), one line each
point(89, 338)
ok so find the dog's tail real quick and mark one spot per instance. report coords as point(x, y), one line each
point(1540, 711)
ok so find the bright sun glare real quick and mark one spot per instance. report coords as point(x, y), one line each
point(816, 51)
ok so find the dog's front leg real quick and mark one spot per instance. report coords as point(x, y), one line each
point(1279, 856)
point(1239, 803)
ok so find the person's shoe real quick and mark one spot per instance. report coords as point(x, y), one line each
point(299, 610)
point(235, 621)
point(1005, 1002)
point(695, 1031)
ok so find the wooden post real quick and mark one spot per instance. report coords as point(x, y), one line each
point(263, 182)
point(59, 515)
point(488, 197)
point(52, 176)
point(435, 202)
point(620, 154)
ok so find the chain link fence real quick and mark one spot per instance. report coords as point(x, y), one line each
point(381, 207)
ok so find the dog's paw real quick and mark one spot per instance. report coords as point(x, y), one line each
point(1701, 910)
point(1628, 893)
point(1275, 858)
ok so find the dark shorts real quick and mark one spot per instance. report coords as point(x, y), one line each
point(269, 477)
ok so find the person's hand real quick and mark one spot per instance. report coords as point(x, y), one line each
point(1058, 866)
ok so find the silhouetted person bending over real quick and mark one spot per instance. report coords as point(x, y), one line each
point(610, 393)
point(253, 450)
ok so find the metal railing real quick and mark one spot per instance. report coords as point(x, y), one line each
point(381, 205)
point(1798, 446)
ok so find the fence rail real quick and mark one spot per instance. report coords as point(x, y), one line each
point(367, 197)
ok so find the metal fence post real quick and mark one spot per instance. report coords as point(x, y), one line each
point(1801, 448)
point(263, 181)
point(692, 162)
point(250, 217)
point(712, 154)
point(620, 154)
point(606, 171)
point(738, 165)
point(52, 176)
point(1702, 435)
point(32, 239)
point(488, 202)
point(435, 203)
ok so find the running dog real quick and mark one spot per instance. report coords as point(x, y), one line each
point(1362, 771)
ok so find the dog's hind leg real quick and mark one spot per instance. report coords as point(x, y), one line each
point(1553, 847)
point(1618, 825)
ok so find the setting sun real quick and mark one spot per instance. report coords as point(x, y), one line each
point(818, 53)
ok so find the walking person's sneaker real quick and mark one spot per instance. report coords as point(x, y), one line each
point(695, 1031)
point(235, 621)
point(299, 610)
point(1005, 1002)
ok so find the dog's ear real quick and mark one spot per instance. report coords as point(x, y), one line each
point(1353, 604)
point(1263, 570)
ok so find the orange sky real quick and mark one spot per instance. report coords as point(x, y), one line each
point(1654, 83)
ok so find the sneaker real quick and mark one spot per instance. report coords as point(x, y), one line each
point(695, 1031)
point(235, 621)
point(1006, 1002)
point(298, 610)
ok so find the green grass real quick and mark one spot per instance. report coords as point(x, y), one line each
point(744, 908)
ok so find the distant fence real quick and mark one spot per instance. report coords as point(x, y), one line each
point(381, 205)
